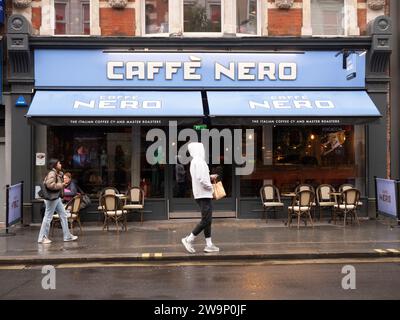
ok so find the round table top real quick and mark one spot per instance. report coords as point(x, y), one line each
point(288, 194)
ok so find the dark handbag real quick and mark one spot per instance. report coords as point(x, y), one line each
point(85, 200)
point(47, 194)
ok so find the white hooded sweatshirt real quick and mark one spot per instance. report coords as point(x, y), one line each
point(201, 183)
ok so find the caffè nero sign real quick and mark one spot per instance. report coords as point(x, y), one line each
point(147, 69)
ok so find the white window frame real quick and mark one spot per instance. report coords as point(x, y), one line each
point(143, 20)
point(350, 19)
point(176, 20)
point(259, 21)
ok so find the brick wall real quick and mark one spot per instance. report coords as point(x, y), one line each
point(115, 22)
point(285, 22)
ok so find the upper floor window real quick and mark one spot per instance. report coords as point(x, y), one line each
point(202, 16)
point(72, 17)
point(246, 16)
point(327, 17)
point(213, 17)
point(157, 16)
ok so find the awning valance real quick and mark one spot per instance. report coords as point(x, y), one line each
point(115, 107)
point(291, 107)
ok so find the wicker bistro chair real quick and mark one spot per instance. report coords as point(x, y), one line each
point(309, 187)
point(348, 206)
point(73, 213)
point(301, 205)
point(348, 186)
point(135, 201)
point(325, 199)
point(113, 211)
point(107, 190)
point(270, 198)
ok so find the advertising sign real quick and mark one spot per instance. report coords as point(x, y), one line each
point(14, 204)
point(386, 197)
point(107, 69)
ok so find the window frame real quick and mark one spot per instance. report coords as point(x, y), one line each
point(346, 28)
point(176, 18)
point(80, 4)
point(66, 17)
point(259, 21)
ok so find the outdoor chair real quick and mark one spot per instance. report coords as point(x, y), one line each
point(301, 205)
point(348, 206)
point(107, 190)
point(270, 198)
point(304, 186)
point(112, 210)
point(73, 213)
point(135, 201)
point(325, 198)
point(348, 186)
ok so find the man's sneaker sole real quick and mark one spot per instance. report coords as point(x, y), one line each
point(210, 250)
point(186, 245)
point(47, 241)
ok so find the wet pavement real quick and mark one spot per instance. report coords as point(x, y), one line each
point(237, 239)
point(215, 281)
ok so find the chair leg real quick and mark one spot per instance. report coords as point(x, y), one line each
point(141, 216)
point(311, 220)
point(80, 225)
point(320, 214)
point(298, 220)
point(345, 218)
point(116, 224)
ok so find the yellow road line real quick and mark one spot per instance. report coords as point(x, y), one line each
point(380, 250)
point(393, 250)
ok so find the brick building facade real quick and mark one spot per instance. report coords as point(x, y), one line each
point(128, 19)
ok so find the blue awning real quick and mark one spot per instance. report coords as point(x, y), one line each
point(291, 107)
point(115, 107)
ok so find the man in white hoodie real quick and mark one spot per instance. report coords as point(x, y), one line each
point(203, 194)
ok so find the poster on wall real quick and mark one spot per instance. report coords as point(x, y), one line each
point(40, 159)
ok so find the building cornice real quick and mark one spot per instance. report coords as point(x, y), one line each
point(243, 44)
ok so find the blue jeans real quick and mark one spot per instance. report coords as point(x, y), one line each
point(51, 206)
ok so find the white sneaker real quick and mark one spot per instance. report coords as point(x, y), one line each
point(188, 245)
point(211, 248)
point(45, 241)
point(73, 238)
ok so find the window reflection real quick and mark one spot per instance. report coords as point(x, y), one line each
point(96, 157)
point(246, 14)
point(202, 16)
point(327, 17)
point(288, 156)
point(156, 16)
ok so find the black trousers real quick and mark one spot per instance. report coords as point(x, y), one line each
point(206, 217)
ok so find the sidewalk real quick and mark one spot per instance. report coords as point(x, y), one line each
point(237, 239)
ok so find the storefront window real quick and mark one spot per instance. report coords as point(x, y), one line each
point(327, 17)
point(288, 156)
point(246, 13)
point(202, 16)
point(152, 176)
point(96, 157)
point(156, 16)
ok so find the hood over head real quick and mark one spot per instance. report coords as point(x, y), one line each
point(196, 150)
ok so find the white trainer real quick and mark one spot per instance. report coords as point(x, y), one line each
point(188, 245)
point(73, 238)
point(45, 241)
point(211, 248)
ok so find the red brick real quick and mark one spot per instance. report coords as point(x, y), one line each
point(362, 21)
point(114, 22)
point(285, 22)
point(36, 18)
